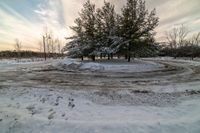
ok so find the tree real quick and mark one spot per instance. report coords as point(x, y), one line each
point(106, 27)
point(137, 22)
point(177, 36)
point(84, 41)
point(172, 37)
point(76, 47)
point(103, 31)
point(195, 40)
point(47, 42)
point(88, 18)
point(182, 35)
point(58, 43)
point(146, 47)
point(18, 47)
point(40, 46)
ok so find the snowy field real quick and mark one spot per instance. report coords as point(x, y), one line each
point(154, 95)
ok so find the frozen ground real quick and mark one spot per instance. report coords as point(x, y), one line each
point(158, 95)
point(110, 65)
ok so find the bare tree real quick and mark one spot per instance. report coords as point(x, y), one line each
point(172, 37)
point(182, 35)
point(195, 40)
point(18, 47)
point(46, 41)
point(53, 47)
point(40, 46)
point(59, 46)
point(177, 36)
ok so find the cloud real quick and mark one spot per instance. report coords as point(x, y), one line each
point(170, 12)
point(16, 26)
point(58, 15)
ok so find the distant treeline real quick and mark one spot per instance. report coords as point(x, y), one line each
point(191, 51)
point(27, 54)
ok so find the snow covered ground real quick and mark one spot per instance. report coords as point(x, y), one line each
point(158, 95)
point(111, 65)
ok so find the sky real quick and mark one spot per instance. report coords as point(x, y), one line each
point(26, 19)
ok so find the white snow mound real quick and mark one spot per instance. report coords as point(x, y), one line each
point(110, 66)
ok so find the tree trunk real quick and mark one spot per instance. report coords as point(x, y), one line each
point(129, 52)
point(118, 57)
point(101, 56)
point(129, 58)
point(82, 58)
point(192, 57)
point(111, 55)
point(108, 56)
point(93, 58)
point(126, 57)
point(45, 55)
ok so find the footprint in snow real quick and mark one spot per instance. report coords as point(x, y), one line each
point(71, 103)
point(51, 116)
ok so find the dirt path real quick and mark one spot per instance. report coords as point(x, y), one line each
point(39, 97)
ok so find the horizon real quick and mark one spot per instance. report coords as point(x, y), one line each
point(27, 20)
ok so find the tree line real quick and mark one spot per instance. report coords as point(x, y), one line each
point(27, 54)
point(50, 47)
point(103, 32)
point(180, 44)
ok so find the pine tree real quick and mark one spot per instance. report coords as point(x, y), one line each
point(88, 18)
point(137, 22)
point(102, 31)
point(106, 28)
point(76, 46)
point(83, 42)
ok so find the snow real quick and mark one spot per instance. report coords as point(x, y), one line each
point(20, 61)
point(104, 101)
point(27, 112)
point(92, 66)
point(195, 62)
point(111, 66)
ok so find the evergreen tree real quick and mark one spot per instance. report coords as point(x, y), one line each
point(76, 47)
point(102, 31)
point(108, 29)
point(137, 22)
point(88, 18)
point(83, 42)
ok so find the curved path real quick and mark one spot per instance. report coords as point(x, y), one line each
point(40, 97)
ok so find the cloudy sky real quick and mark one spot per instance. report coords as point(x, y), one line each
point(26, 19)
